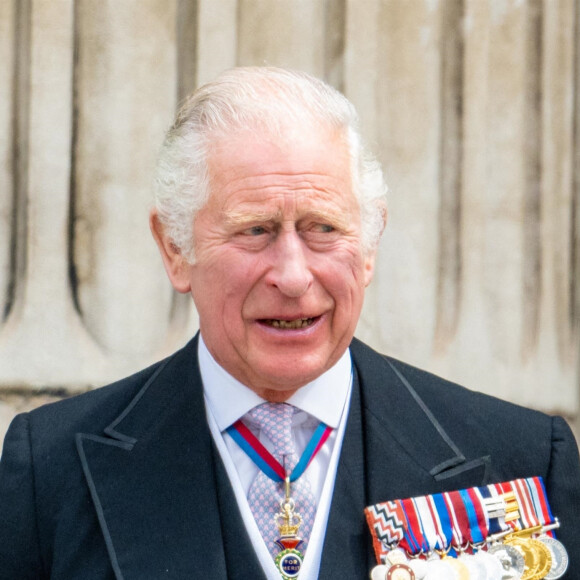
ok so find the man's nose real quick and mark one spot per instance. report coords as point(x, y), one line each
point(290, 272)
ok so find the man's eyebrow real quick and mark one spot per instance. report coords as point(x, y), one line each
point(240, 217)
point(334, 218)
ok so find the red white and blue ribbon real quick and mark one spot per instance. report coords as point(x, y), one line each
point(496, 524)
point(452, 521)
point(414, 541)
point(528, 518)
point(540, 501)
point(505, 488)
point(478, 528)
point(458, 520)
point(429, 523)
point(442, 518)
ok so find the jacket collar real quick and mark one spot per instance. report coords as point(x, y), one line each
point(408, 449)
point(152, 472)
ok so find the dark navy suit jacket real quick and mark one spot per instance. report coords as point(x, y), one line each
point(125, 482)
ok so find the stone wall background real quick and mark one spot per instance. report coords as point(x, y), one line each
point(473, 106)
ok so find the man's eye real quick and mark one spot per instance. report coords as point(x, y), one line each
point(255, 231)
point(323, 228)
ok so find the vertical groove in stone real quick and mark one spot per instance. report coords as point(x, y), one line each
point(187, 54)
point(20, 121)
point(532, 256)
point(450, 173)
point(334, 42)
point(187, 36)
point(575, 209)
point(72, 216)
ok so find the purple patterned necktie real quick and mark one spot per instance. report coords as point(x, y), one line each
point(264, 497)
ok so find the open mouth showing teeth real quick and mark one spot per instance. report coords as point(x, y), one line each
point(291, 324)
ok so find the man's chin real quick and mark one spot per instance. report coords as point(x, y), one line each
point(282, 378)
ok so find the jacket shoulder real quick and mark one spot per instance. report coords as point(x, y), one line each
point(454, 405)
point(96, 409)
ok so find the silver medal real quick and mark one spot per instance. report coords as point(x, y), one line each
point(440, 570)
point(559, 557)
point(512, 562)
point(396, 556)
point(477, 569)
point(379, 572)
point(493, 568)
point(418, 566)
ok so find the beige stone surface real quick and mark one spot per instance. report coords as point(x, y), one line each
point(217, 38)
point(42, 341)
point(275, 33)
point(126, 89)
point(472, 106)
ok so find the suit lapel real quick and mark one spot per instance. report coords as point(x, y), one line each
point(407, 450)
point(153, 482)
point(346, 532)
point(393, 447)
point(241, 560)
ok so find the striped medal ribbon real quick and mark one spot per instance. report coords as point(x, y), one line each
point(266, 462)
point(289, 560)
point(499, 530)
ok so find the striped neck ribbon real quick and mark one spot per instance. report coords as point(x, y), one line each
point(266, 462)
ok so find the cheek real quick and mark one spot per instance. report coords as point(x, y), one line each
point(348, 267)
point(231, 279)
point(344, 280)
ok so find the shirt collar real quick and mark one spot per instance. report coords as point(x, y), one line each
point(229, 399)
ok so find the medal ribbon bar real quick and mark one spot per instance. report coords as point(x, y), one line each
point(510, 523)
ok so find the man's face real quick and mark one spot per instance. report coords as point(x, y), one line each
point(280, 274)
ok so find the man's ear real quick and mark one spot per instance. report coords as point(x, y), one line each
point(176, 266)
point(369, 266)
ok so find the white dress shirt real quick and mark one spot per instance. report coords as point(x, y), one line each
point(325, 399)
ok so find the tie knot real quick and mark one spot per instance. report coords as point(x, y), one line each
point(275, 419)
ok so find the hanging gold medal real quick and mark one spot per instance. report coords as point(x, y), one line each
point(289, 560)
point(537, 556)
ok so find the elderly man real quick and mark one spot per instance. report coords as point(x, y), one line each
point(253, 451)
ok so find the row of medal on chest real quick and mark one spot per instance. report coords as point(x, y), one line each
point(525, 555)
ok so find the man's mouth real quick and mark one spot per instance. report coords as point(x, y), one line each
point(289, 324)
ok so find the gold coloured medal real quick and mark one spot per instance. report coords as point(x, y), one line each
point(545, 558)
point(461, 569)
point(537, 557)
point(289, 560)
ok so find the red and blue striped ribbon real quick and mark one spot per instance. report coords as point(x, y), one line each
point(442, 517)
point(475, 515)
point(540, 501)
point(414, 541)
point(266, 462)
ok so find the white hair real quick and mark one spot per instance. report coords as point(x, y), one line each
point(261, 100)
